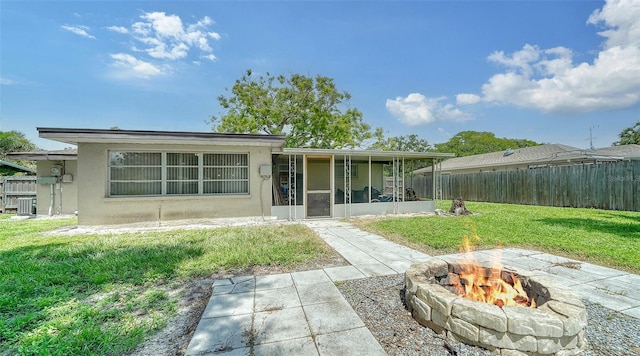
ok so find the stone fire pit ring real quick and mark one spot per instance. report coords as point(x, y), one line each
point(555, 327)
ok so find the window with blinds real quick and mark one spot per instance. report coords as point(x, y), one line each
point(177, 173)
point(225, 173)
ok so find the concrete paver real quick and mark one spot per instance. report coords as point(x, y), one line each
point(229, 304)
point(310, 277)
point(318, 293)
point(343, 273)
point(278, 325)
point(220, 334)
point(342, 343)
point(272, 299)
point(303, 313)
point(294, 347)
point(274, 281)
point(335, 315)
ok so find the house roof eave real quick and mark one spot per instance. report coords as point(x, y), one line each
point(75, 136)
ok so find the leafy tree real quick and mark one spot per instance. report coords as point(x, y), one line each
point(629, 136)
point(14, 141)
point(468, 143)
point(310, 111)
point(409, 143)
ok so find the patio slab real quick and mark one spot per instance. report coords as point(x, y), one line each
point(303, 313)
point(336, 315)
point(273, 299)
point(229, 304)
point(343, 273)
point(274, 281)
point(319, 293)
point(279, 325)
point(342, 343)
point(220, 334)
point(294, 347)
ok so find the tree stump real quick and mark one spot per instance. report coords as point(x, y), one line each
point(458, 207)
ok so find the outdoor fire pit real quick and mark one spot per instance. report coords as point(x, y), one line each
point(503, 310)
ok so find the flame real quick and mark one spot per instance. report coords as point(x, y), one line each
point(488, 285)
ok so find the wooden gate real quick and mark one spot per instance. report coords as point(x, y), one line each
point(14, 187)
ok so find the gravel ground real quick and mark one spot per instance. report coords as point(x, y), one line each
point(379, 302)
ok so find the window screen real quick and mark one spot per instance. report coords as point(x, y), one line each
point(177, 173)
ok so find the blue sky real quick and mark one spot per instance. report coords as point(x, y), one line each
point(541, 70)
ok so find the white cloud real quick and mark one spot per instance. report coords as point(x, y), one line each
point(158, 39)
point(210, 57)
point(548, 80)
point(443, 132)
point(467, 99)
point(5, 81)
point(622, 19)
point(78, 30)
point(166, 37)
point(417, 109)
point(128, 66)
point(118, 29)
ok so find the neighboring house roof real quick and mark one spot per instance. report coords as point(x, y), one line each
point(555, 154)
point(59, 155)
point(75, 136)
point(624, 151)
point(17, 166)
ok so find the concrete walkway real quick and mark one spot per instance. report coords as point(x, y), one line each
point(303, 313)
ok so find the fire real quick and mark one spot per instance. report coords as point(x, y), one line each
point(489, 285)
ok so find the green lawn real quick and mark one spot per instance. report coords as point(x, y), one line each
point(610, 238)
point(103, 294)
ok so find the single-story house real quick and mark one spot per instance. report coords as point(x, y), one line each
point(132, 176)
point(533, 157)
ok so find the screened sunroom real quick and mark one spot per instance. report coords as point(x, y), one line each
point(316, 183)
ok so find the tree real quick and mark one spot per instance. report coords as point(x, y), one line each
point(468, 143)
point(310, 111)
point(409, 143)
point(14, 141)
point(629, 136)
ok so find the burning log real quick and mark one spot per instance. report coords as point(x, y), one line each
point(489, 285)
point(458, 207)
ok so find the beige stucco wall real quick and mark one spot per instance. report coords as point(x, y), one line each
point(96, 208)
point(65, 194)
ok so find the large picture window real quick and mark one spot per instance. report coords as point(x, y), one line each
point(177, 173)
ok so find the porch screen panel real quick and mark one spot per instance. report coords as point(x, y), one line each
point(182, 173)
point(226, 173)
point(135, 173)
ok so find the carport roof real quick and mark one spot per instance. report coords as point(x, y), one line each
point(375, 155)
point(58, 155)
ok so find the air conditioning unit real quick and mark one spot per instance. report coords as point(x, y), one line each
point(26, 207)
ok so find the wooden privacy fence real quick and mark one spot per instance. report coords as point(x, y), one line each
point(14, 187)
point(611, 186)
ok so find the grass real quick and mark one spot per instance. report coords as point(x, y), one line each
point(610, 238)
point(103, 294)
